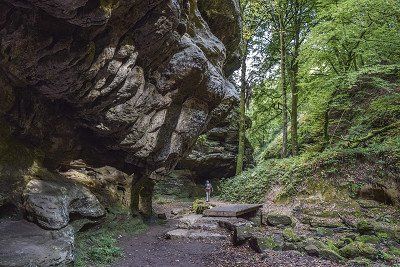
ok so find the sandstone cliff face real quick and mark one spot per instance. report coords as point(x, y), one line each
point(215, 153)
point(125, 83)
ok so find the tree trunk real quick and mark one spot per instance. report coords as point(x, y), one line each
point(294, 115)
point(242, 115)
point(283, 84)
point(294, 86)
point(326, 128)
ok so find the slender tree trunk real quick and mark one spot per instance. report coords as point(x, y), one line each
point(283, 85)
point(326, 128)
point(294, 115)
point(294, 86)
point(242, 115)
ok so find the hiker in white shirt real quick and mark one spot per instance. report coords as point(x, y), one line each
point(209, 190)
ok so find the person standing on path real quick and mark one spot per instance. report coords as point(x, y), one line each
point(208, 189)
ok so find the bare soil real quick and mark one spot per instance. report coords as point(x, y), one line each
point(152, 249)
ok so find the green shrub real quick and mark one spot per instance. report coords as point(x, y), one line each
point(103, 249)
point(199, 206)
point(297, 175)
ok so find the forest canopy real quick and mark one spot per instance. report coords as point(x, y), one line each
point(319, 73)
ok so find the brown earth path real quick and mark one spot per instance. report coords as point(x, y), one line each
point(151, 249)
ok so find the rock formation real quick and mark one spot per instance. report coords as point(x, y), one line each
point(124, 83)
point(128, 83)
point(50, 204)
point(215, 153)
point(26, 244)
point(111, 186)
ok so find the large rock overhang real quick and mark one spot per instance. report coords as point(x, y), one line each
point(127, 83)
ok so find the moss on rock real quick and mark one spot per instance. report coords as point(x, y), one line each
point(359, 249)
point(331, 255)
point(368, 239)
point(364, 227)
point(360, 262)
point(269, 243)
point(276, 219)
point(290, 236)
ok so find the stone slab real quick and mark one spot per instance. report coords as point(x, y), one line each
point(195, 235)
point(233, 210)
point(25, 244)
point(194, 221)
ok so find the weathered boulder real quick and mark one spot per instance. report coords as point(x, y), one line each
point(26, 244)
point(51, 204)
point(277, 219)
point(331, 255)
point(359, 249)
point(125, 83)
point(111, 186)
point(18, 164)
point(312, 250)
point(215, 153)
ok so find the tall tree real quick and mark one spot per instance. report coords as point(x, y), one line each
point(278, 11)
point(301, 20)
point(282, 41)
point(351, 38)
point(253, 17)
point(242, 111)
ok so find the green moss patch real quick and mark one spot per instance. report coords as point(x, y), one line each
point(368, 239)
point(290, 235)
point(268, 243)
point(359, 249)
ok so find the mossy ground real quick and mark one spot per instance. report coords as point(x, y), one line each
point(336, 174)
point(99, 246)
point(322, 189)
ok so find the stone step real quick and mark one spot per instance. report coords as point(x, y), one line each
point(232, 210)
point(194, 221)
point(196, 235)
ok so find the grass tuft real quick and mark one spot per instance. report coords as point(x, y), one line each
point(99, 246)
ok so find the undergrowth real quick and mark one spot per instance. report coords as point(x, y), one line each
point(99, 246)
point(292, 174)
